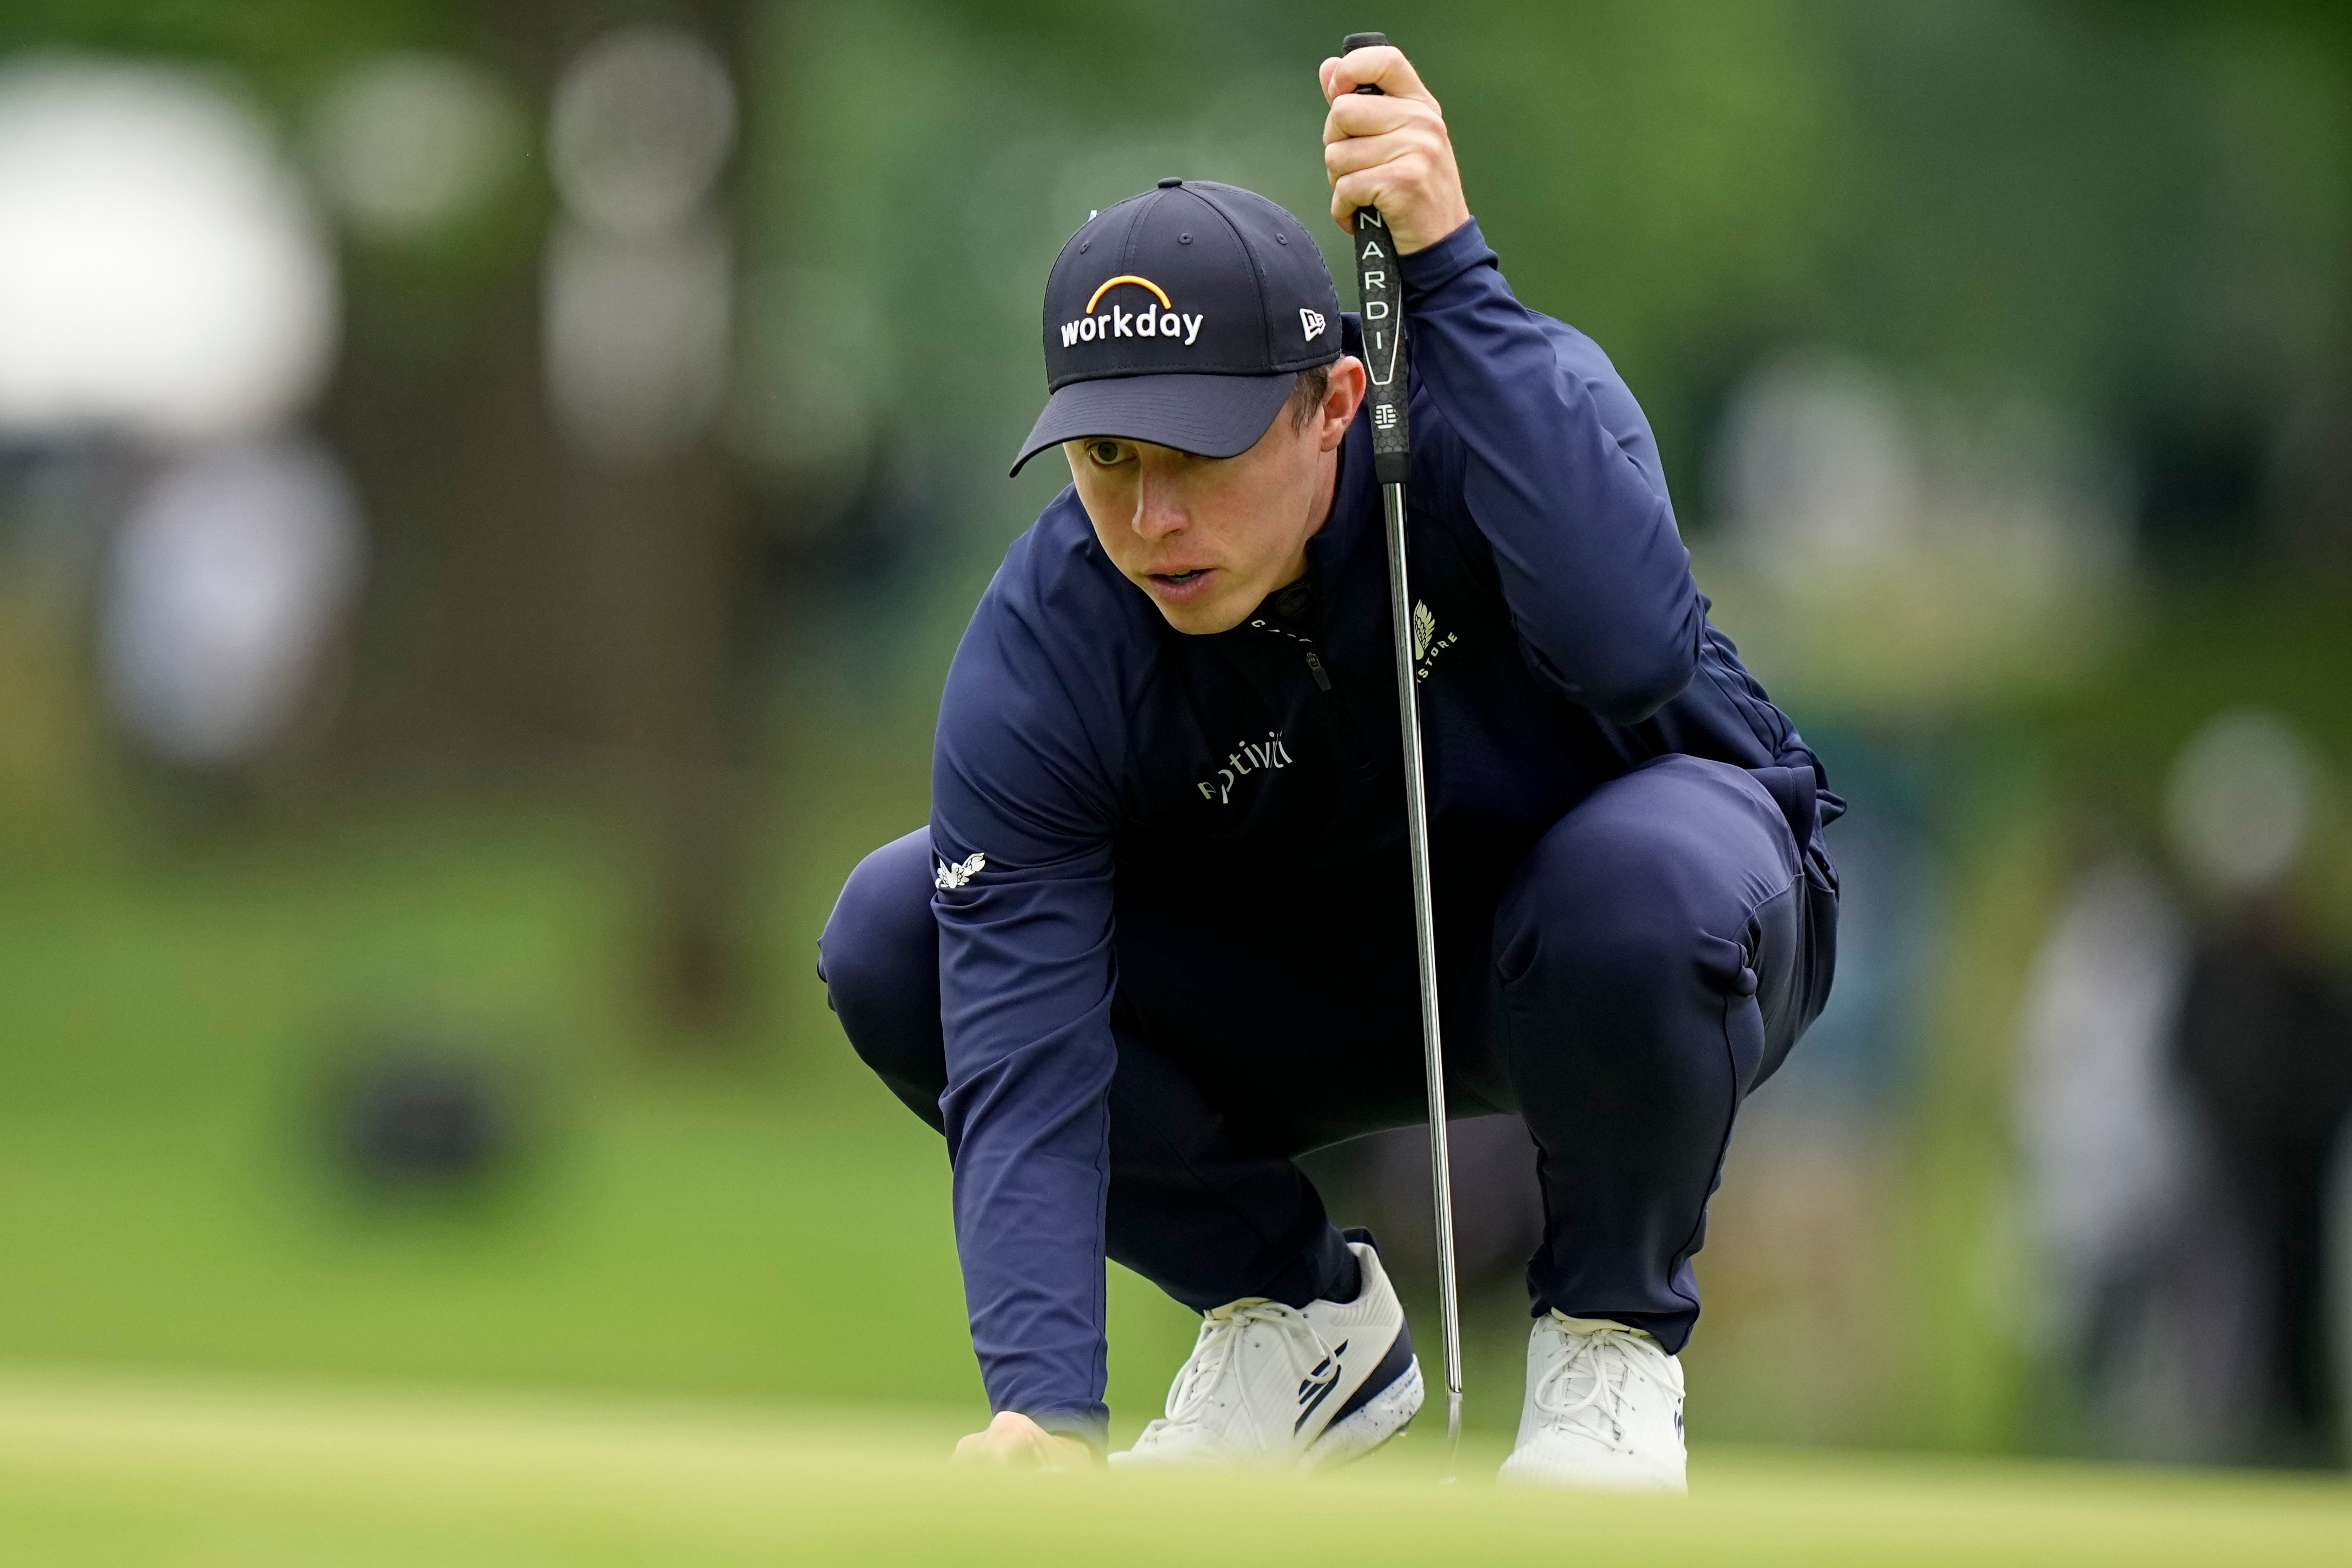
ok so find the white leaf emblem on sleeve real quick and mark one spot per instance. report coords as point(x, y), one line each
point(1424, 627)
point(959, 873)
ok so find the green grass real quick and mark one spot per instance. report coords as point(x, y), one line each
point(172, 1472)
point(744, 1214)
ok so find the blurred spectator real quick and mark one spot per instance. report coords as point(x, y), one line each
point(2265, 1047)
point(2110, 1156)
point(2181, 1104)
point(223, 598)
point(165, 296)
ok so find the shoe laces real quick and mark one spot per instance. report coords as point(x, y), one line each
point(1224, 1331)
point(1585, 1389)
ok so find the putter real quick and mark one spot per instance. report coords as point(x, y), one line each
point(1381, 291)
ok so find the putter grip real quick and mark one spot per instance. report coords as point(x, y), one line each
point(1381, 293)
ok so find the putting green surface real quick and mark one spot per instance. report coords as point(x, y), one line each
point(148, 1470)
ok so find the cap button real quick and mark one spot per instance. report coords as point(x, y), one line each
point(1171, 182)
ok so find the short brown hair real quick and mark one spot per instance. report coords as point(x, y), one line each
point(1307, 393)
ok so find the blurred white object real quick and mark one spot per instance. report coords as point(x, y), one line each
point(1881, 545)
point(2238, 805)
point(643, 120)
point(2106, 1129)
point(160, 271)
point(1818, 457)
point(223, 588)
point(640, 276)
point(637, 338)
point(408, 142)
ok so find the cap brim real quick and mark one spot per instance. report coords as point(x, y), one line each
point(1214, 416)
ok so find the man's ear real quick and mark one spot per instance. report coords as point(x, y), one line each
point(1341, 402)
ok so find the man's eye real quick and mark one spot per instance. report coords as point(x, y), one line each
point(1106, 452)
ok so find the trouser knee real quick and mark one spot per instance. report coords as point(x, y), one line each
point(1608, 959)
point(879, 958)
point(1669, 897)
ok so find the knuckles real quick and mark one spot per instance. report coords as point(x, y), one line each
point(1354, 115)
point(1380, 148)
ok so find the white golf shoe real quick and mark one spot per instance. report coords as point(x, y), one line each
point(1603, 1411)
point(1270, 1386)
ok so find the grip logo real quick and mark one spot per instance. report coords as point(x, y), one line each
point(1162, 320)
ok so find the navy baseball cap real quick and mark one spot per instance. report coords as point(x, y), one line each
point(1182, 317)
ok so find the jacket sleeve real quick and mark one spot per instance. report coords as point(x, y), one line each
point(1560, 473)
point(1021, 831)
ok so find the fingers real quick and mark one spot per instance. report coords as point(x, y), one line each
point(1359, 138)
point(1383, 66)
point(1389, 150)
point(1009, 1439)
point(1366, 170)
point(1354, 116)
point(1379, 187)
point(1341, 159)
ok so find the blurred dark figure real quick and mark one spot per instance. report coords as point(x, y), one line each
point(2265, 1050)
point(2262, 1051)
point(2184, 1090)
point(418, 1116)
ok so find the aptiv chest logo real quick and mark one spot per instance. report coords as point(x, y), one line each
point(1157, 319)
point(1250, 756)
point(1428, 641)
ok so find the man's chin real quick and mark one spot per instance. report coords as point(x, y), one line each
point(1205, 618)
point(1220, 609)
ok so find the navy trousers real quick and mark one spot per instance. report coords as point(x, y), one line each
point(1649, 962)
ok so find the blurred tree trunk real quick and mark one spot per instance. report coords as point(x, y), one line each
point(534, 610)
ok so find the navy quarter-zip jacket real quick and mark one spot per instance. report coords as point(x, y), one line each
point(1087, 754)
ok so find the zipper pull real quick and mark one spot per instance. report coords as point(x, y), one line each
point(1315, 668)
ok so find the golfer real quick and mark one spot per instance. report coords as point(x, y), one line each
point(1157, 939)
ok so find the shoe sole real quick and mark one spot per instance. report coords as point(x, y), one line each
point(1378, 1419)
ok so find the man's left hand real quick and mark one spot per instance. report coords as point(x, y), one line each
point(1389, 150)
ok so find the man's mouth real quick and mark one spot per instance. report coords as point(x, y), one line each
point(1179, 587)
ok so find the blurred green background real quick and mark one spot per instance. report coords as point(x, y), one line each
point(448, 1010)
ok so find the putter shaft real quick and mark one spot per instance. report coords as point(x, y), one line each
point(1380, 289)
point(1441, 1177)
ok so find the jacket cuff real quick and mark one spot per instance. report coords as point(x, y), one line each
point(1089, 1424)
point(1427, 270)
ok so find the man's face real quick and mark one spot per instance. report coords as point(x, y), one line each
point(1208, 538)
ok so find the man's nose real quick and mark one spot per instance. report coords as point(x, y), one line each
point(1159, 502)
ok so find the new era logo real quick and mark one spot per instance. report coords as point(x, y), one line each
point(1311, 323)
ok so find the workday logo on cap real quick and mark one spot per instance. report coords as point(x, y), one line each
point(1182, 316)
point(1162, 321)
